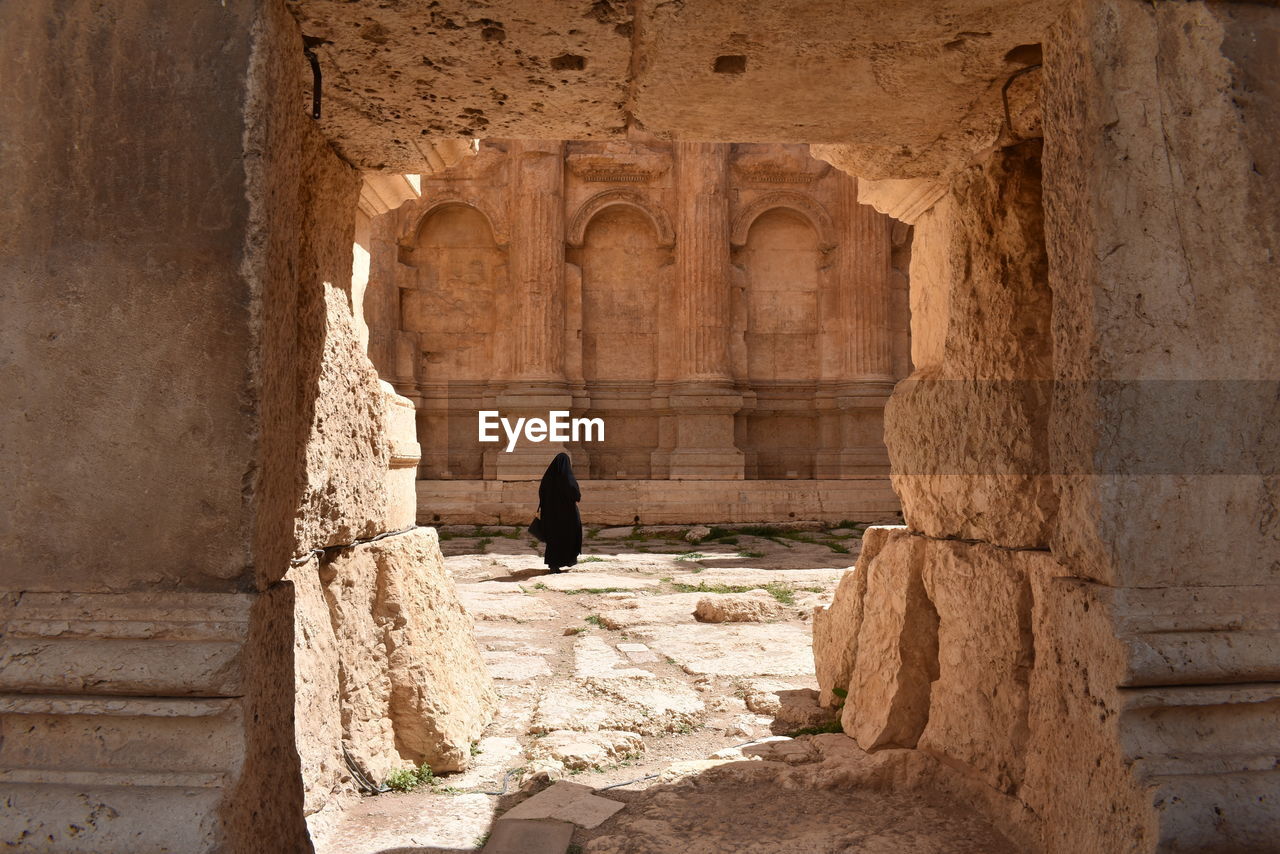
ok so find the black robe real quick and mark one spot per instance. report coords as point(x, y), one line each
point(562, 526)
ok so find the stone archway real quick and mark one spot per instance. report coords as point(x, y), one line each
point(193, 511)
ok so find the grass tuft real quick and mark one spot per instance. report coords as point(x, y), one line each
point(830, 726)
point(408, 779)
point(776, 589)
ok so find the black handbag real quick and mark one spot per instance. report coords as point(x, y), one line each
point(535, 527)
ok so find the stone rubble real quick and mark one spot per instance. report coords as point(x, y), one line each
point(623, 680)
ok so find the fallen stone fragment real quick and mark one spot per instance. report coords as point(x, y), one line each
point(542, 772)
point(615, 533)
point(798, 708)
point(697, 533)
point(754, 606)
point(491, 758)
point(761, 697)
point(652, 610)
point(565, 801)
point(584, 750)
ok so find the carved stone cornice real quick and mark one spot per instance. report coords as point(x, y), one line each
point(635, 168)
point(803, 204)
point(575, 234)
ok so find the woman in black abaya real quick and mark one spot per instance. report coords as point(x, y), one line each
point(558, 495)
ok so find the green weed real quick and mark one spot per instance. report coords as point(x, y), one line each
point(408, 779)
point(831, 726)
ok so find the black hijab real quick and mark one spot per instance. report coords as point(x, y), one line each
point(558, 494)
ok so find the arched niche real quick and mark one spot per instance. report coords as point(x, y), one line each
point(499, 228)
point(460, 298)
point(799, 203)
point(782, 263)
point(782, 260)
point(576, 232)
point(623, 267)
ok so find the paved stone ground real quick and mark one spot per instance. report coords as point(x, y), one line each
point(607, 677)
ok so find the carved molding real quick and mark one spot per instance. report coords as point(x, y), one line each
point(497, 220)
point(903, 199)
point(767, 173)
point(576, 233)
point(381, 193)
point(636, 168)
point(806, 206)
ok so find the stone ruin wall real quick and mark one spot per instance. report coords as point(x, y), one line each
point(1055, 624)
point(730, 311)
point(168, 680)
point(1124, 630)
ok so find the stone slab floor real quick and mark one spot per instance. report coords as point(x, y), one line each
point(710, 722)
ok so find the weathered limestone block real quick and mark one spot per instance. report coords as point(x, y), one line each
point(1076, 779)
point(897, 651)
point(318, 720)
point(413, 685)
point(755, 606)
point(978, 705)
point(126, 719)
point(1160, 164)
point(402, 465)
point(347, 453)
point(835, 628)
point(1208, 754)
point(967, 433)
point(584, 750)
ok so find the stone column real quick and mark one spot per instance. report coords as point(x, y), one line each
point(538, 383)
point(860, 361)
point(864, 270)
point(1161, 222)
point(161, 333)
point(703, 400)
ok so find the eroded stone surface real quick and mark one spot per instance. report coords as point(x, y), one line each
point(754, 606)
point(978, 704)
point(414, 687)
point(897, 93)
point(582, 750)
point(779, 649)
point(835, 628)
point(968, 432)
point(897, 652)
point(647, 705)
point(503, 606)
